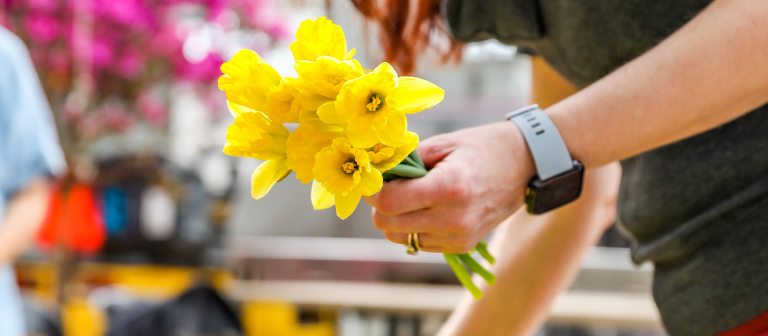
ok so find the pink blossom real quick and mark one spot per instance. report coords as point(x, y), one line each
point(130, 64)
point(59, 61)
point(102, 54)
point(47, 6)
point(206, 70)
point(278, 29)
point(264, 15)
point(216, 7)
point(42, 28)
point(166, 42)
point(115, 117)
point(152, 109)
point(126, 12)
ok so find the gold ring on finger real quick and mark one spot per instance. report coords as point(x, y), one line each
point(414, 245)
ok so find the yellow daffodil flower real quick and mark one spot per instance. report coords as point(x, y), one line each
point(320, 37)
point(320, 80)
point(346, 172)
point(385, 157)
point(248, 79)
point(373, 106)
point(304, 144)
point(254, 135)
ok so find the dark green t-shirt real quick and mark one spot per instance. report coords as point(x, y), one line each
point(698, 208)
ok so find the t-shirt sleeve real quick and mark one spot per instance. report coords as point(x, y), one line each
point(509, 21)
point(30, 147)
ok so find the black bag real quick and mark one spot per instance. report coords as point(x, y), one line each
point(198, 311)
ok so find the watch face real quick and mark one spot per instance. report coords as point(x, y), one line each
point(545, 195)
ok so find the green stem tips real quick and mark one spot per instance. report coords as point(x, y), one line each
point(405, 170)
point(413, 167)
point(459, 264)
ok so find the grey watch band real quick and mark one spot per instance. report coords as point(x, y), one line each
point(549, 153)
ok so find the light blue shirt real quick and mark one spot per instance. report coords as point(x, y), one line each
point(28, 149)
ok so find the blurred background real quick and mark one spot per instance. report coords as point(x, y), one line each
point(154, 223)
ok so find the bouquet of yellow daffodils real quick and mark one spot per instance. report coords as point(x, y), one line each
point(349, 128)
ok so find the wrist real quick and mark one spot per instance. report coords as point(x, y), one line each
point(559, 178)
point(560, 118)
point(520, 153)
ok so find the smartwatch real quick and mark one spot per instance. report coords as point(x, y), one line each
point(559, 178)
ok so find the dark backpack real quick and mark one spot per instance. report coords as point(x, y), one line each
point(198, 311)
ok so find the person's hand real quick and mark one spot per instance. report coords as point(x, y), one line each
point(477, 179)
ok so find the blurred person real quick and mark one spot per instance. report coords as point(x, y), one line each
point(675, 90)
point(29, 156)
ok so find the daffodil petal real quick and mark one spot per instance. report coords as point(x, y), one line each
point(252, 134)
point(320, 37)
point(319, 125)
point(394, 131)
point(389, 157)
point(247, 78)
point(327, 113)
point(281, 104)
point(362, 137)
point(370, 183)
point(236, 109)
point(266, 175)
point(321, 198)
point(346, 204)
point(387, 69)
point(414, 95)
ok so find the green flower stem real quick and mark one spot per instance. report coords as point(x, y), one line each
point(477, 268)
point(389, 177)
point(417, 158)
point(407, 171)
point(411, 162)
point(462, 274)
point(482, 248)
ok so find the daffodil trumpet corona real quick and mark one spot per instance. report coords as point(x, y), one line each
point(338, 126)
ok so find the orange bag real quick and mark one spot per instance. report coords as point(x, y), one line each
point(74, 220)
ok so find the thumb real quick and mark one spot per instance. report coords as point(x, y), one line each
point(435, 149)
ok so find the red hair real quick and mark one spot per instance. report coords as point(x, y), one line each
point(407, 28)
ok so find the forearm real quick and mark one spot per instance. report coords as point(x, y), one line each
point(711, 71)
point(537, 256)
point(23, 216)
